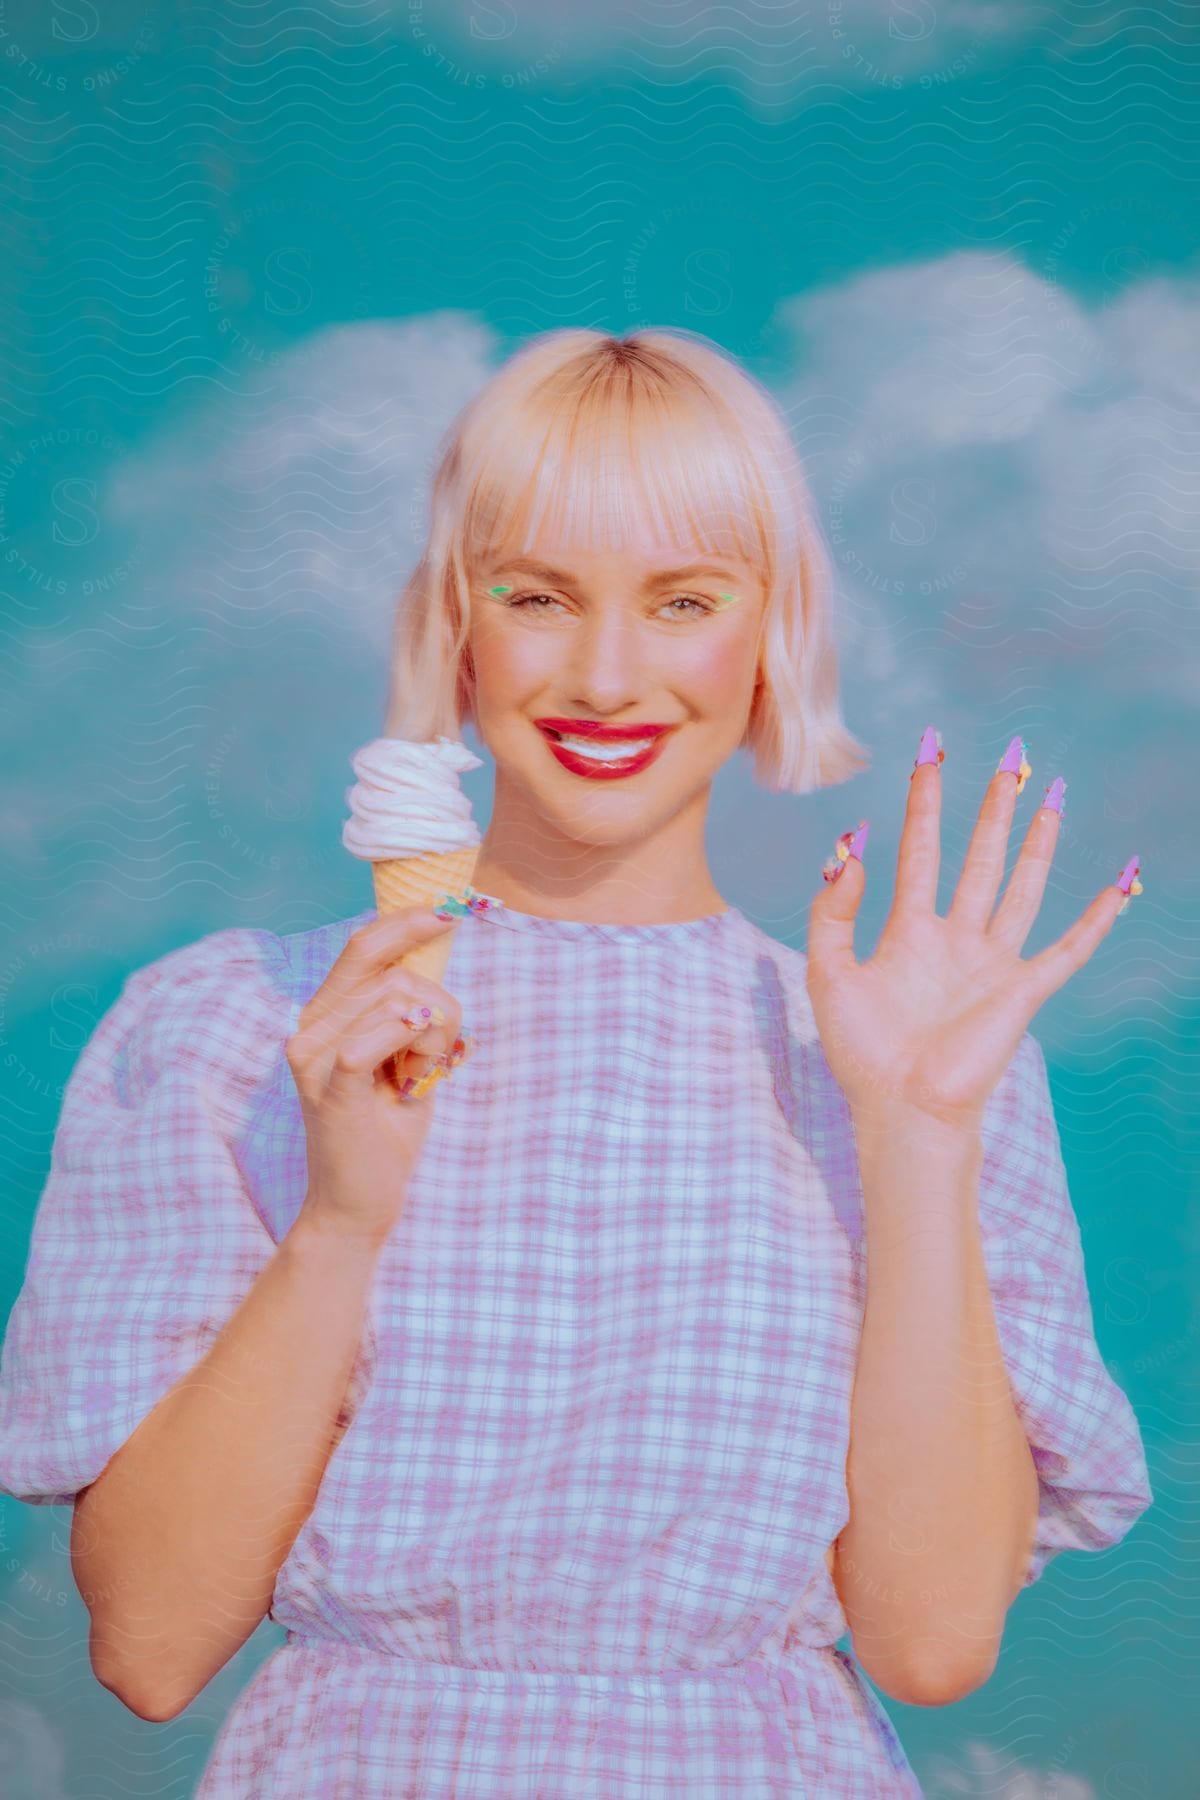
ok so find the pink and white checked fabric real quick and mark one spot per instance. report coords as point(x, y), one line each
point(572, 1544)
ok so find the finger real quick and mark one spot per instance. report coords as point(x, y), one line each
point(372, 948)
point(920, 841)
point(1050, 968)
point(410, 1046)
point(343, 1005)
point(834, 910)
point(445, 1011)
point(312, 1050)
point(983, 867)
point(436, 1016)
point(361, 1052)
point(1013, 919)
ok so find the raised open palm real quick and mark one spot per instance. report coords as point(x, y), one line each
point(934, 1017)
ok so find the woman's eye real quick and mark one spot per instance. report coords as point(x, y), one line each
point(525, 599)
point(528, 602)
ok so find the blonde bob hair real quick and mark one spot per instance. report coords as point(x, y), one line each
point(703, 453)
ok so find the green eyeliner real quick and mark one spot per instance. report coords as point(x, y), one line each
point(504, 588)
point(729, 599)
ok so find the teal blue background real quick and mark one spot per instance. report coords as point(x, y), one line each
point(254, 260)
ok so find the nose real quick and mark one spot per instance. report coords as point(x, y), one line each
point(607, 663)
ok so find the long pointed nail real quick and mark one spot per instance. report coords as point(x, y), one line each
point(1013, 763)
point(931, 749)
point(1128, 883)
point(1054, 795)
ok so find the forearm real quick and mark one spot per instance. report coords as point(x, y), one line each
point(942, 1485)
point(177, 1544)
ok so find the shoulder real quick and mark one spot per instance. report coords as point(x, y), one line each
point(222, 1005)
point(226, 985)
point(241, 972)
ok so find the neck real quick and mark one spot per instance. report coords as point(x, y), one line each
point(531, 863)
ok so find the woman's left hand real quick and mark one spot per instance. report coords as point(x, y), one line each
point(932, 1021)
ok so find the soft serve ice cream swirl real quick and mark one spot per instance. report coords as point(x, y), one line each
point(408, 800)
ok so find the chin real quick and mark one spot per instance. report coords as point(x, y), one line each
point(608, 813)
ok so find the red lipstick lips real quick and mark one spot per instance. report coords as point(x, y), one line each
point(609, 768)
point(604, 734)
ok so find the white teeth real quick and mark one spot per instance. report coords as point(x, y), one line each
point(606, 752)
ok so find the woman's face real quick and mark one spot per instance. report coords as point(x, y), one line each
point(654, 633)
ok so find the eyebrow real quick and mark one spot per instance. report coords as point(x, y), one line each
point(663, 578)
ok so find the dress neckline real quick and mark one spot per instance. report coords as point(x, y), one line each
point(672, 931)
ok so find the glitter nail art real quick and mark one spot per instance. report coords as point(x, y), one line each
point(454, 906)
point(1013, 762)
point(851, 843)
point(1054, 795)
point(1128, 882)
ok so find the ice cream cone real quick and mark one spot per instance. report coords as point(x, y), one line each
point(411, 820)
point(422, 881)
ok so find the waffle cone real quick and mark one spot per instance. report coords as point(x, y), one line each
point(421, 881)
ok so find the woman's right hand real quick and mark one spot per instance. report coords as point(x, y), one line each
point(363, 1139)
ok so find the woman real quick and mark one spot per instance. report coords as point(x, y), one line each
point(725, 1300)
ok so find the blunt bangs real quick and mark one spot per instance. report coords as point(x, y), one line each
point(626, 461)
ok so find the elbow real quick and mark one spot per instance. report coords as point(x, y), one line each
point(142, 1705)
point(133, 1692)
point(931, 1680)
point(939, 1684)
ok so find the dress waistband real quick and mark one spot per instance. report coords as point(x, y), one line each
point(755, 1670)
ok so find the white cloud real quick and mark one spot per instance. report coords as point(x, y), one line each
point(978, 1771)
point(306, 492)
point(32, 1754)
point(771, 51)
point(980, 441)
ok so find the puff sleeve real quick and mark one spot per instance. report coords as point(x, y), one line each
point(145, 1238)
point(1092, 1475)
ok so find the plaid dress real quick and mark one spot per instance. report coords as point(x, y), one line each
point(572, 1545)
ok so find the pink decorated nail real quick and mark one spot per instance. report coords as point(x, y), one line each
point(931, 749)
point(851, 843)
point(1128, 882)
point(1054, 795)
point(1013, 762)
